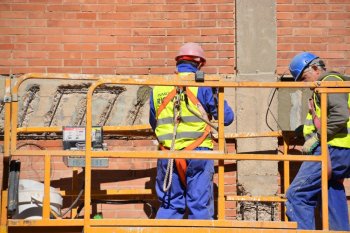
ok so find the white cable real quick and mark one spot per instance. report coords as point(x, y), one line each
point(169, 170)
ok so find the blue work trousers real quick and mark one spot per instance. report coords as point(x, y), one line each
point(197, 196)
point(304, 194)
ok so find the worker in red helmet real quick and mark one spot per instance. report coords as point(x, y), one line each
point(178, 117)
point(304, 192)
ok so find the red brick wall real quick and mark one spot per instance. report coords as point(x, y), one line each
point(141, 37)
point(113, 37)
point(319, 26)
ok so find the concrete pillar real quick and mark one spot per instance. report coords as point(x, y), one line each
point(256, 61)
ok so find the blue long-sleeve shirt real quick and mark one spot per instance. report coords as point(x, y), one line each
point(205, 97)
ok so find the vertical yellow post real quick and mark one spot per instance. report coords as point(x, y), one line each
point(286, 171)
point(7, 129)
point(74, 190)
point(46, 201)
point(324, 163)
point(221, 167)
point(3, 224)
point(14, 114)
point(88, 150)
point(6, 158)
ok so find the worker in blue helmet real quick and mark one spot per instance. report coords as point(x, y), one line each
point(304, 192)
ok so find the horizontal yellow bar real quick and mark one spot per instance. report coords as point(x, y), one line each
point(43, 222)
point(123, 192)
point(251, 135)
point(174, 80)
point(166, 80)
point(114, 192)
point(144, 129)
point(256, 198)
point(216, 155)
point(333, 90)
point(50, 152)
point(155, 222)
point(58, 129)
point(187, 230)
point(192, 223)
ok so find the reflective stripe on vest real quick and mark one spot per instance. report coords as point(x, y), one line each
point(170, 120)
point(342, 138)
point(190, 127)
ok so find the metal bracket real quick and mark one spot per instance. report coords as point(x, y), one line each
point(199, 77)
point(7, 99)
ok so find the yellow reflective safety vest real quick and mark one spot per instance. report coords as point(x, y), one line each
point(191, 131)
point(342, 138)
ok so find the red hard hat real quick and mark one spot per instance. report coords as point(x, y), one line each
point(193, 51)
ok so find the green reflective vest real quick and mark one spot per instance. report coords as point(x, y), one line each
point(342, 138)
point(189, 128)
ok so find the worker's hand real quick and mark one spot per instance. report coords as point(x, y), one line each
point(298, 132)
point(310, 145)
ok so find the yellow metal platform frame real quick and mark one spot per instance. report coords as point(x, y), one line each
point(89, 225)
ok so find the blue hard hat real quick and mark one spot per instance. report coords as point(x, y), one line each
point(299, 63)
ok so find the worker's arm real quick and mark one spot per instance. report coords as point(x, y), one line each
point(206, 98)
point(152, 112)
point(337, 112)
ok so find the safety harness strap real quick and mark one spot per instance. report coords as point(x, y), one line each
point(181, 164)
point(191, 96)
point(165, 102)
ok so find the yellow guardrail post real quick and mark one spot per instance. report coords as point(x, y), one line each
point(6, 156)
point(324, 163)
point(221, 163)
point(46, 199)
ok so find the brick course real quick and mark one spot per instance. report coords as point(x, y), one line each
point(316, 26)
point(59, 36)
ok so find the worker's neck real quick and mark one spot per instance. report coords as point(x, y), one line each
point(186, 67)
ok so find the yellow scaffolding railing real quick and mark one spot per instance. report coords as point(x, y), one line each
point(11, 132)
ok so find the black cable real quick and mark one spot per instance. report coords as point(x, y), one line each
point(152, 209)
point(74, 202)
point(41, 148)
point(98, 201)
point(269, 110)
point(30, 144)
point(76, 199)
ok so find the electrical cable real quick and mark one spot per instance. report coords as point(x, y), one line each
point(269, 110)
point(98, 201)
point(30, 144)
point(41, 148)
point(76, 199)
point(152, 209)
point(74, 202)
